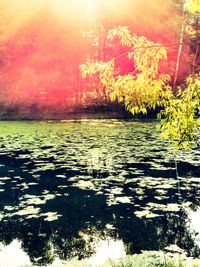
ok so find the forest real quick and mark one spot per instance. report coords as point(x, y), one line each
point(60, 58)
point(43, 43)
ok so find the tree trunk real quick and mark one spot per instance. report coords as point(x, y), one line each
point(180, 47)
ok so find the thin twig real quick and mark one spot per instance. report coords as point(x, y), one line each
point(194, 60)
point(150, 46)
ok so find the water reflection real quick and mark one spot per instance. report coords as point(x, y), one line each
point(62, 181)
point(193, 219)
point(107, 250)
point(13, 255)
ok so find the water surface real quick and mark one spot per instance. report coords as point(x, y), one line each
point(65, 184)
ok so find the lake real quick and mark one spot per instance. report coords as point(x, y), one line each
point(66, 186)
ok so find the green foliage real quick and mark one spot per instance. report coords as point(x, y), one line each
point(105, 71)
point(139, 92)
point(148, 89)
point(181, 124)
point(123, 34)
point(192, 5)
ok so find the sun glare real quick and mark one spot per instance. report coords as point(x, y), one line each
point(76, 8)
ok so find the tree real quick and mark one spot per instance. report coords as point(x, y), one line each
point(192, 32)
point(146, 88)
point(159, 24)
point(143, 89)
point(181, 123)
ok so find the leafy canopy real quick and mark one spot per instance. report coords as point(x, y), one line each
point(146, 88)
point(192, 5)
point(141, 91)
point(181, 123)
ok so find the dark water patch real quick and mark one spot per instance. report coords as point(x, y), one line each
point(186, 168)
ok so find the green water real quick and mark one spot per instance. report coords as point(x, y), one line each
point(62, 181)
